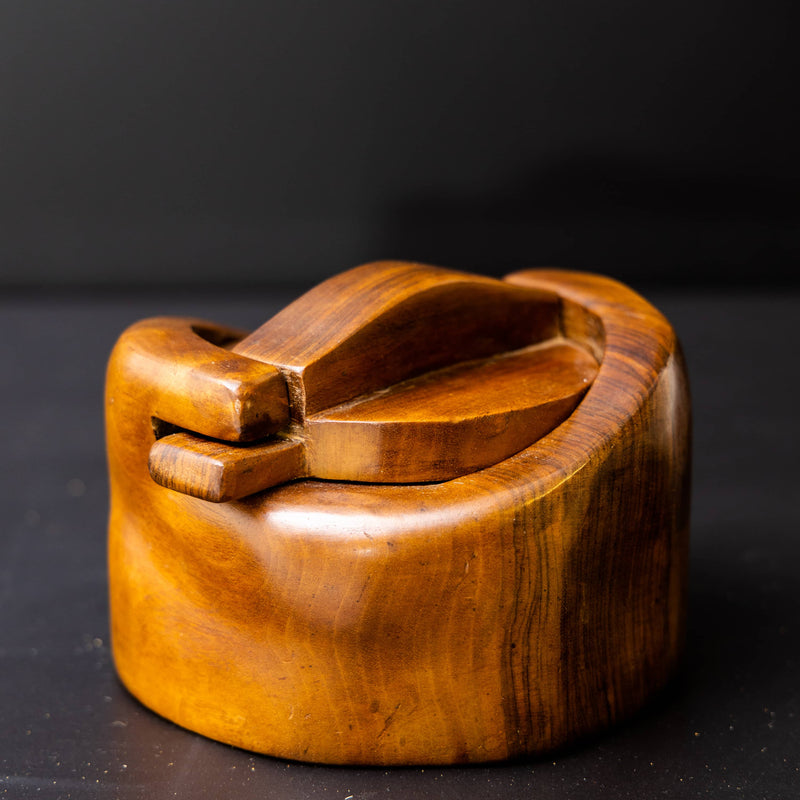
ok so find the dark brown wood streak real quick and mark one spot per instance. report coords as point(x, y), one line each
point(519, 598)
point(639, 485)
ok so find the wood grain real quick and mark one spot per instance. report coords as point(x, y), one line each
point(434, 427)
point(502, 613)
point(218, 471)
point(381, 323)
point(429, 374)
point(452, 421)
point(182, 371)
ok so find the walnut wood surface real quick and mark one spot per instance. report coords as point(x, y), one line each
point(179, 368)
point(453, 421)
point(218, 471)
point(437, 426)
point(501, 613)
point(456, 374)
point(381, 323)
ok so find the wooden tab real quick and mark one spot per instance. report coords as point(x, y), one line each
point(196, 384)
point(220, 472)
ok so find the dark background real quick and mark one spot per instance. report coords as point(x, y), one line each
point(204, 143)
point(152, 150)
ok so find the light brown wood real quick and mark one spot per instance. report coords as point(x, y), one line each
point(180, 369)
point(504, 612)
point(378, 324)
point(453, 421)
point(463, 401)
point(218, 472)
point(437, 426)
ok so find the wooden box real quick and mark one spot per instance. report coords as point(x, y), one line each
point(419, 516)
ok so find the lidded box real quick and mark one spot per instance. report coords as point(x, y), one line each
point(419, 516)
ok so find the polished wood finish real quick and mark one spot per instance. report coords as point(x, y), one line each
point(378, 324)
point(430, 374)
point(218, 472)
point(181, 370)
point(451, 422)
point(504, 612)
point(437, 426)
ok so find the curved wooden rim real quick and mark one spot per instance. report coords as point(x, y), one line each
point(636, 344)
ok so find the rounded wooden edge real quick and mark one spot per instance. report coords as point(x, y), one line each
point(184, 367)
point(637, 346)
point(633, 342)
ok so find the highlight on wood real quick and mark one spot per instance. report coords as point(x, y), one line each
point(419, 516)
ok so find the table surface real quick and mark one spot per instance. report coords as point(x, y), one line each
point(728, 725)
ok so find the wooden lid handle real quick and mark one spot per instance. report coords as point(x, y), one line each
point(377, 324)
point(395, 373)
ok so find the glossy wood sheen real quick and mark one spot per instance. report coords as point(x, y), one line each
point(501, 613)
point(381, 323)
point(437, 426)
point(218, 472)
point(178, 368)
point(453, 421)
point(463, 401)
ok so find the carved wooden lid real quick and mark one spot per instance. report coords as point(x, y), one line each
point(388, 373)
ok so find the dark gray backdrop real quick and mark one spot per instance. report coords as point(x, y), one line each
point(273, 142)
point(168, 143)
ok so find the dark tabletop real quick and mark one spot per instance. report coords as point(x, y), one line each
point(728, 725)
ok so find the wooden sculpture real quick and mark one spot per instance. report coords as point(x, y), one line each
point(419, 516)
